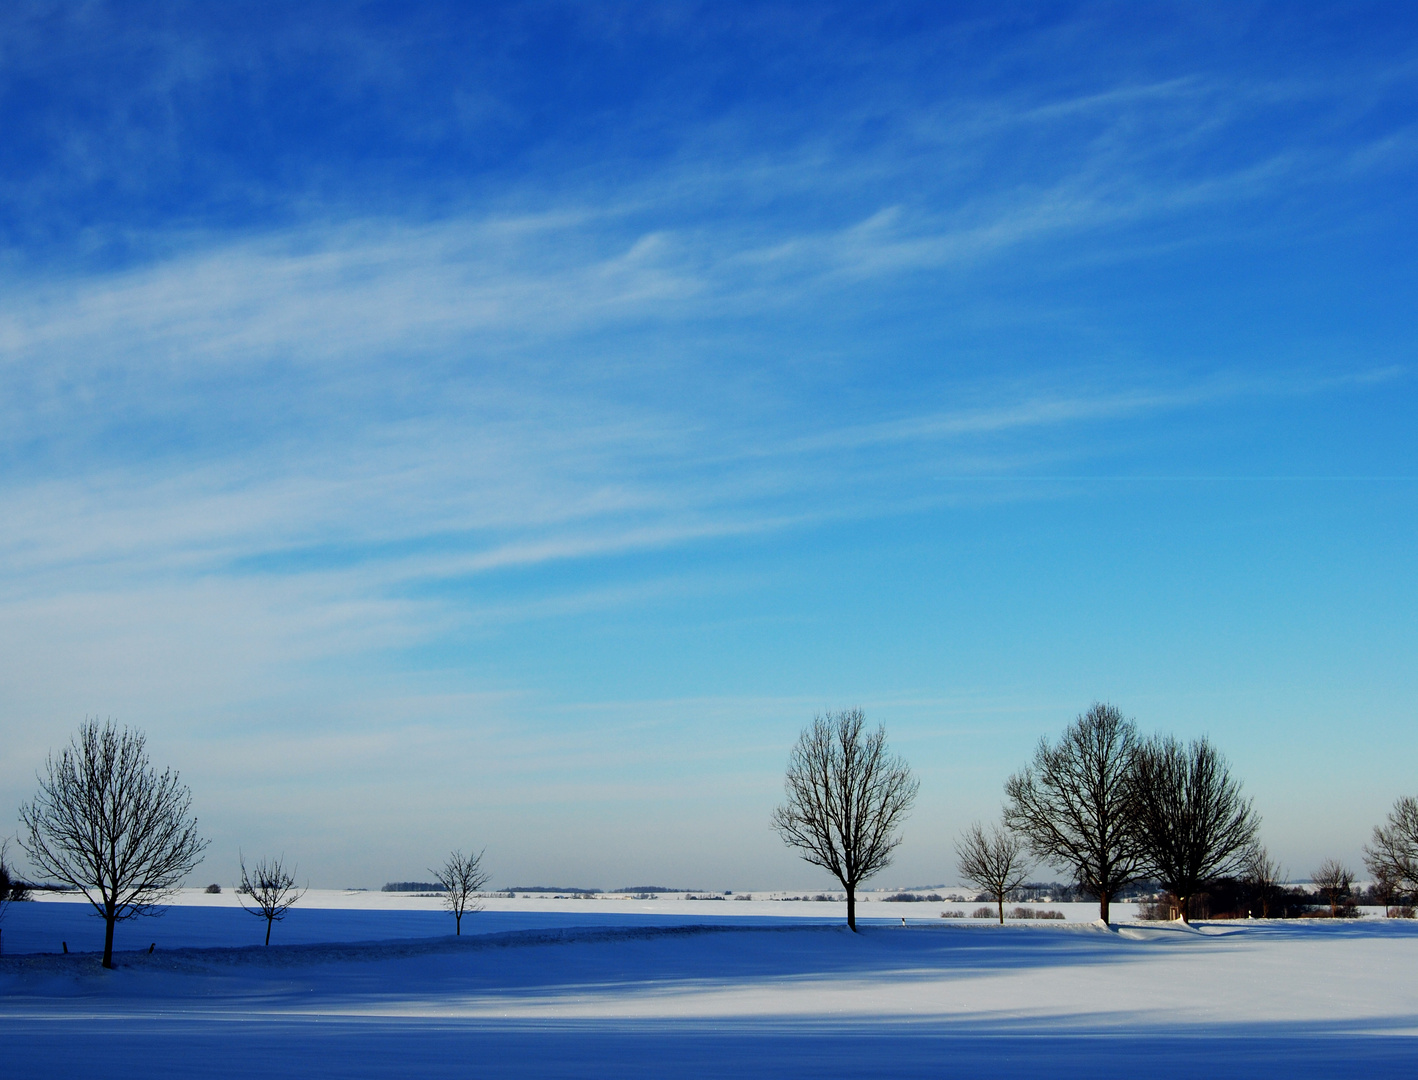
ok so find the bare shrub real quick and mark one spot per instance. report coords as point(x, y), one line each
point(983, 913)
point(952, 914)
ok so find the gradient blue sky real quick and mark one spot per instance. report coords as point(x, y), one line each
point(508, 425)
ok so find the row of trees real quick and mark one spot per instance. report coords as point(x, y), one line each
point(107, 823)
point(1103, 804)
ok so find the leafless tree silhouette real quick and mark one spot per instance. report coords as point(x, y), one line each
point(272, 890)
point(992, 860)
point(1192, 821)
point(846, 799)
point(461, 876)
point(105, 822)
point(1333, 880)
point(1392, 854)
point(1075, 804)
point(1264, 875)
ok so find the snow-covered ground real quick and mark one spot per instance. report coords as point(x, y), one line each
point(370, 984)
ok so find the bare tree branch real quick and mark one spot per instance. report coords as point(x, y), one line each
point(105, 822)
point(846, 799)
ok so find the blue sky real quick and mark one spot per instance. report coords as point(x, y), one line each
point(440, 425)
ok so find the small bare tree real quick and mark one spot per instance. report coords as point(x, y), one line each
point(1192, 821)
point(846, 799)
point(992, 860)
point(272, 890)
point(1392, 854)
point(462, 876)
point(1075, 804)
point(1333, 880)
point(1264, 876)
point(105, 822)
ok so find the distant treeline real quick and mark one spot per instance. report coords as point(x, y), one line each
point(413, 886)
point(549, 889)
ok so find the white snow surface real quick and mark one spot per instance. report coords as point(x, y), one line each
point(373, 984)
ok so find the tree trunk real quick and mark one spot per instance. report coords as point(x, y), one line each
point(457, 924)
point(1000, 901)
point(268, 930)
point(108, 921)
point(1103, 899)
point(1184, 909)
point(852, 907)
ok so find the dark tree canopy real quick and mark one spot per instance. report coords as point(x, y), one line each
point(461, 877)
point(1193, 823)
point(107, 823)
point(1074, 804)
point(992, 860)
point(846, 799)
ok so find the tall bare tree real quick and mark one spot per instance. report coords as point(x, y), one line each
point(992, 860)
point(272, 889)
point(1075, 805)
point(846, 798)
point(1333, 880)
point(106, 822)
point(1392, 853)
point(462, 876)
point(1193, 823)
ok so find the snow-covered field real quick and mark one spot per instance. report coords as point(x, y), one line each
point(371, 984)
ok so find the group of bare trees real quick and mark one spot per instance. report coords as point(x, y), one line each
point(1113, 809)
point(107, 823)
point(1103, 804)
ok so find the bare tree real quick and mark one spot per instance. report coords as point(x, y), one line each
point(1392, 854)
point(1193, 823)
point(1074, 804)
point(1333, 880)
point(105, 822)
point(1264, 876)
point(272, 889)
point(461, 877)
point(993, 861)
point(846, 798)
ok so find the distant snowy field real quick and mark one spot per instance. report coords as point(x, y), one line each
point(373, 984)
